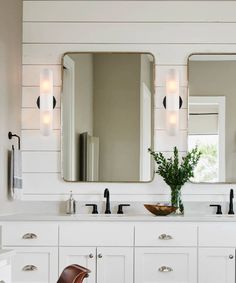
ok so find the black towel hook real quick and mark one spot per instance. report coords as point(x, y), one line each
point(11, 135)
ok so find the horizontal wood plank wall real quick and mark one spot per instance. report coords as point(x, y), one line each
point(170, 30)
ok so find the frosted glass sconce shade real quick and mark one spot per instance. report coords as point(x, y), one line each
point(46, 101)
point(172, 102)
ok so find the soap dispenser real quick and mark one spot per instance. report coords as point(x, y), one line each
point(70, 205)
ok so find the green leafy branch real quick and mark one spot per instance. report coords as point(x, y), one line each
point(176, 172)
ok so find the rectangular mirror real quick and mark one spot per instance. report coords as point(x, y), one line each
point(107, 117)
point(212, 115)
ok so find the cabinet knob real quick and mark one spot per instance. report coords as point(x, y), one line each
point(165, 237)
point(29, 236)
point(231, 256)
point(99, 255)
point(29, 268)
point(90, 255)
point(165, 269)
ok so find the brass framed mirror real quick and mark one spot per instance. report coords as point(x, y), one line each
point(107, 116)
point(211, 123)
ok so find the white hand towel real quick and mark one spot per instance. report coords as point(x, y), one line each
point(16, 174)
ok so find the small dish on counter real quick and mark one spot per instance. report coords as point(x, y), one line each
point(159, 209)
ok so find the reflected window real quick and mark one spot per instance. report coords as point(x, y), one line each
point(206, 116)
point(207, 169)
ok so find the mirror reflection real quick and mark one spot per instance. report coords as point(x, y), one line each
point(212, 101)
point(107, 117)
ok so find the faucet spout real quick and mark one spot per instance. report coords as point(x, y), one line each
point(107, 196)
point(231, 204)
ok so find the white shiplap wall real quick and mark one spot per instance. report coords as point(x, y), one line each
point(171, 30)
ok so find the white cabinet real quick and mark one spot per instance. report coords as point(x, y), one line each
point(5, 274)
point(114, 264)
point(5, 266)
point(217, 243)
point(105, 248)
point(166, 265)
point(35, 265)
point(217, 265)
point(217, 234)
point(84, 256)
point(166, 234)
point(96, 234)
point(121, 252)
point(36, 251)
point(107, 264)
point(30, 234)
point(166, 252)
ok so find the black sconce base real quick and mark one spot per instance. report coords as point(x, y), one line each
point(180, 102)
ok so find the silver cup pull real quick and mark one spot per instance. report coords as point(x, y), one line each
point(91, 256)
point(99, 255)
point(231, 256)
point(165, 269)
point(29, 236)
point(30, 268)
point(165, 237)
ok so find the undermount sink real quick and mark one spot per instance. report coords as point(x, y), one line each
point(220, 215)
point(105, 215)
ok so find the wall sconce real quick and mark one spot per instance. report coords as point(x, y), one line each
point(172, 102)
point(46, 102)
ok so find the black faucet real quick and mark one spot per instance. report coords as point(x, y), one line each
point(107, 196)
point(231, 204)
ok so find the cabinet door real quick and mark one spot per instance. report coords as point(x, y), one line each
point(216, 265)
point(5, 273)
point(164, 265)
point(114, 265)
point(35, 265)
point(84, 256)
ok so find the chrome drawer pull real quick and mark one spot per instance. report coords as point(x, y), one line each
point(165, 269)
point(90, 255)
point(99, 255)
point(29, 236)
point(165, 237)
point(29, 268)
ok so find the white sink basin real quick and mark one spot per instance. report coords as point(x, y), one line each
point(221, 215)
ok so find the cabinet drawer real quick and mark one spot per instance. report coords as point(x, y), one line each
point(165, 234)
point(217, 235)
point(35, 265)
point(29, 234)
point(96, 234)
point(166, 265)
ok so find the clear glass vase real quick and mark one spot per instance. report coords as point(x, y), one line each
point(176, 199)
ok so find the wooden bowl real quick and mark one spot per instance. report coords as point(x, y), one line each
point(160, 210)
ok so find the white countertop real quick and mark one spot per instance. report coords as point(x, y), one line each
point(118, 218)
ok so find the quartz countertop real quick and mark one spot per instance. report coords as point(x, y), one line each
point(118, 218)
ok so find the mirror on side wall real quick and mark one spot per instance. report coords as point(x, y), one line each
point(212, 116)
point(107, 117)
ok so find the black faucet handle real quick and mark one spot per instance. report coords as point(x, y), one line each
point(218, 211)
point(231, 202)
point(120, 208)
point(94, 206)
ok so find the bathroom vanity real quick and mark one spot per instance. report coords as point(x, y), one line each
point(122, 249)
